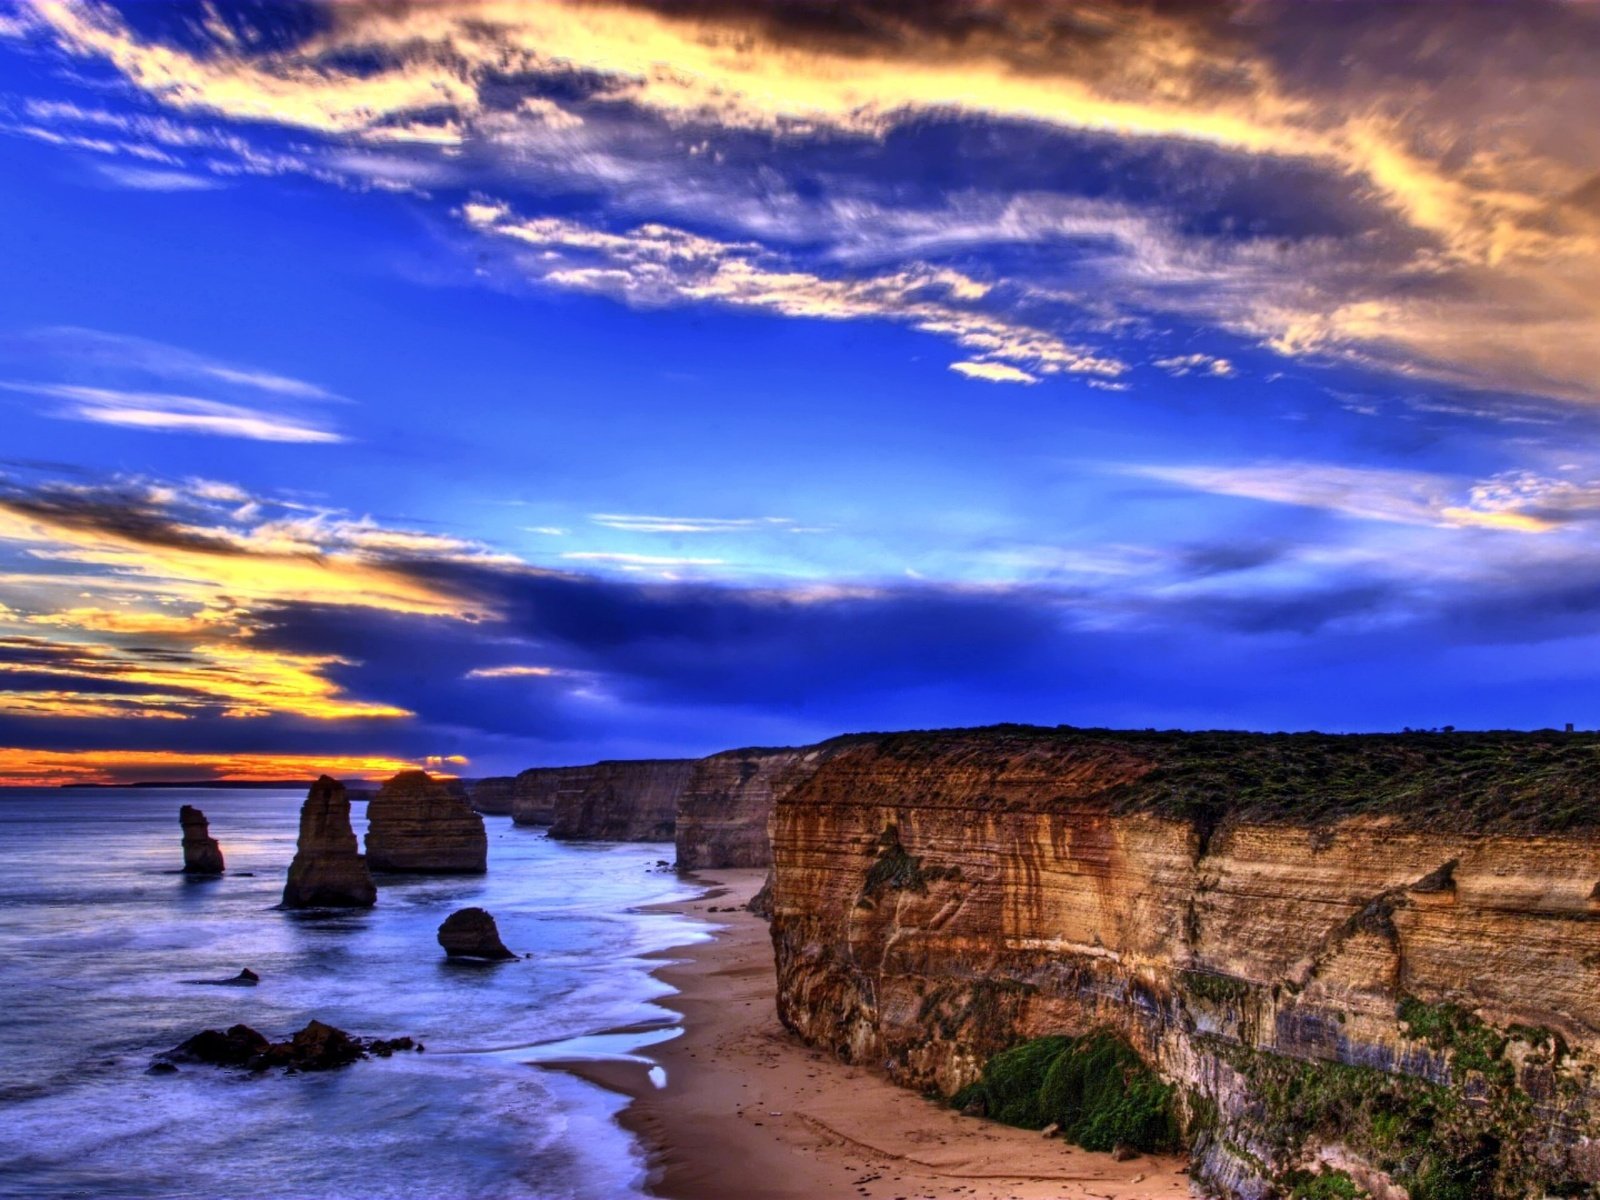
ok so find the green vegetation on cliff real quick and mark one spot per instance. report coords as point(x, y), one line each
point(1095, 1088)
point(1502, 781)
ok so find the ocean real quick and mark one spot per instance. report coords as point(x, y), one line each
point(101, 938)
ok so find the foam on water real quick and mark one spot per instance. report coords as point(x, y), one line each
point(100, 942)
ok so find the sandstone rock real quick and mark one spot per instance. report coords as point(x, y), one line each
point(493, 796)
point(533, 793)
point(1240, 909)
point(623, 801)
point(471, 933)
point(327, 872)
point(418, 824)
point(201, 854)
point(761, 902)
point(1123, 1153)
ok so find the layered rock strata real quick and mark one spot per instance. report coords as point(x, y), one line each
point(533, 794)
point(1375, 956)
point(493, 796)
point(620, 801)
point(727, 803)
point(328, 871)
point(418, 824)
point(201, 854)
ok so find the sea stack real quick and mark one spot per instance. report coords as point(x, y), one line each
point(472, 933)
point(201, 854)
point(421, 825)
point(328, 871)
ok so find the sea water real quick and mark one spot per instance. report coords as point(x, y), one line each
point(101, 939)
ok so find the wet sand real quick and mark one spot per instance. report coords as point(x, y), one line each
point(749, 1113)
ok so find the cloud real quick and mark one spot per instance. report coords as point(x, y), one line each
point(1465, 246)
point(165, 412)
point(515, 672)
point(655, 265)
point(643, 523)
point(148, 179)
point(1379, 494)
point(1196, 364)
point(638, 560)
point(30, 767)
point(993, 372)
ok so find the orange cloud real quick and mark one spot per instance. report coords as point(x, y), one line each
point(45, 768)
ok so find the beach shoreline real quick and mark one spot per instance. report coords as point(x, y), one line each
point(749, 1113)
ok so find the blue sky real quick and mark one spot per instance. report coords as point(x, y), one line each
point(503, 384)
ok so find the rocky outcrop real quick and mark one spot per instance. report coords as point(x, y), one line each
point(472, 933)
point(725, 807)
point(1374, 956)
point(418, 824)
point(317, 1047)
point(493, 796)
point(327, 871)
point(201, 854)
point(621, 801)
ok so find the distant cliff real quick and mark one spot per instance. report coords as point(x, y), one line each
point(1371, 955)
point(493, 796)
point(622, 801)
point(727, 803)
point(533, 794)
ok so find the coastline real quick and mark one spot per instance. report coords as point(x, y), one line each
point(749, 1113)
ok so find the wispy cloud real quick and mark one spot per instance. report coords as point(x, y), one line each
point(639, 560)
point(153, 179)
point(165, 412)
point(644, 523)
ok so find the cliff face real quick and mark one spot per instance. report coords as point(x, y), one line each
point(201, 854)
point(533, 793)
point(1376, 956)
point(493, 796)
point(632, 801)
point(419, 824)
point(327, 871)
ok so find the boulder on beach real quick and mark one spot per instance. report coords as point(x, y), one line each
point(317, 1047)
point(327, 871)
point(201, 854)
point(472, 933)
point(418, 824)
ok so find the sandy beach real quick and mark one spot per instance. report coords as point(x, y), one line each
point(748, 1113)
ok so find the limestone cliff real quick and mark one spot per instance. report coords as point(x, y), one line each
point(420, 824)
point(533, 795)
point(201, 854)
point(622, 801)
point(493, 796)
point(1379, 955)
point(327, 871)
point(727, 803)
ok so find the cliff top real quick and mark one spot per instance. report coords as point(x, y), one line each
point(1501, 781)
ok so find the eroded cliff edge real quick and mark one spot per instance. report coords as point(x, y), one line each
point(1375, 954)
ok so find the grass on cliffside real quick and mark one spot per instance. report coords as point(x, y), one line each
point(1095, 1088)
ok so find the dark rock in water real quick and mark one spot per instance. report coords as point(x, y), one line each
point(317, 1047)
point(201, 854)
point(327, 872)
point(420, 824)
point(161, 1067)
point(471, 933)
point(245, 978)
point(237, 1046)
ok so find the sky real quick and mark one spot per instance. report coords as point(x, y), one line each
point(484, 385)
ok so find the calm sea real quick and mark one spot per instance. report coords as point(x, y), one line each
point(100, 938)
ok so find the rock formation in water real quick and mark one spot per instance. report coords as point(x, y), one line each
point(727, 803)
point(493, 796)
point(418, 824)
point(1376, 957)
point(327, 871)
point(472, 933)
point(622, 801)
point(201, 854)
point(317, 1047)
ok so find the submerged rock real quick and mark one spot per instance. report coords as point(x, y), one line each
point(245, 978)
point(424, 825)
point(317, 1047)
point(201, 854)
point(327, 871)
point(472, 933)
